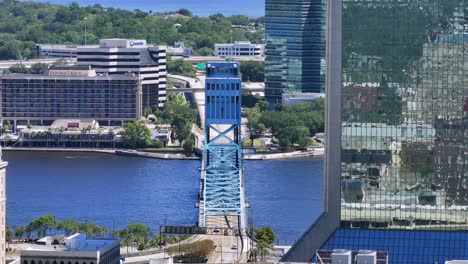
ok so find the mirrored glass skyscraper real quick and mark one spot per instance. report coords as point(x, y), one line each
point(295, 48)
point(403, 168)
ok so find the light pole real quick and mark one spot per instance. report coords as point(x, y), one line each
point(85, 31)
point(232, 48)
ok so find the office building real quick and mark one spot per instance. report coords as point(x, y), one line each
point(239, 49)
point(3, 165)
point(397, 98)
point(76, 249)
point(120, 56)
point(295, 47)
point(70, 92)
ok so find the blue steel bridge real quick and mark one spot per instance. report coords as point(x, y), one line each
point(222, 201)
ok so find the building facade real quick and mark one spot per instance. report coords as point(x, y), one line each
point(239, 49)
point(400, 183)
point(179, 50)
point(76, 249)
point(295, 47)
point(70, 92)
point(3, 165)
point(120, 56)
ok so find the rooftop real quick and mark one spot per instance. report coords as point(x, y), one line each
point(74, 243)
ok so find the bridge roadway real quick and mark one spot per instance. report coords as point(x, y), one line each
point(198, 85)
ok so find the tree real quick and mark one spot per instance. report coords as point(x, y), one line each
point(290, 136)
point(147, 111)
point(185, 12)
point(42, 224)
point(125, 238)
point(18, 68)
point(182, 128)
point(39, 68)
point(265, 237)
point(253, 71)
point(180, 115)
point(20, 231)
point(262, 105)
point(9, 234)
point(29, 24)
point(135, 233)
point(70, 226)
point(139, 230)
point(136, 135)
point(242, 20)
point(92, 229)
point(60, 62)
point(205, 51)
point(180, 67)
point(188, 146)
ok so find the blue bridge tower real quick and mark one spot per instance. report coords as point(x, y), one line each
point(222, 172)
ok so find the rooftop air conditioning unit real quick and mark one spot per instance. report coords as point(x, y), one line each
point(366, 257)
point(342, 256)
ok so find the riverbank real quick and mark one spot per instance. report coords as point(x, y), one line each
point(172, 156)
point(122, 152)
point(286, 155)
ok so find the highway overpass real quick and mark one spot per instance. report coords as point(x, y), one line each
point(197, 59)
point(8, 63)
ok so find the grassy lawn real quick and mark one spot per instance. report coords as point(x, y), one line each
point(257, 143)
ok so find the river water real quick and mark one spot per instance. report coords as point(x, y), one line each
point(115, 190)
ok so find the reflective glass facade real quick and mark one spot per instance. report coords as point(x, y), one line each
point(404, 132)
point(295, 48)
point(404, 162)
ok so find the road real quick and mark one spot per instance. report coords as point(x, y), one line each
point(8, 63)
point(195, 59)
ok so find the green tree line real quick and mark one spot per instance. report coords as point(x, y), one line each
point(133, 234)
point(48, 224)
point(291, 125)
point(23, 24)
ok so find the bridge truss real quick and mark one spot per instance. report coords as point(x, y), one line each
point(222, 173)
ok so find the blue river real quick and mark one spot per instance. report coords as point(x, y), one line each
point(115, 190)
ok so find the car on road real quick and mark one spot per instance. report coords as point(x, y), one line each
point(234, 247)
point(216, 230)
point(162, 134)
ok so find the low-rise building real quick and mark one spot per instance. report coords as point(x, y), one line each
point(179, 50)
point(76, 249)
point(71, 133)
point(239, 49)
point(70, 92)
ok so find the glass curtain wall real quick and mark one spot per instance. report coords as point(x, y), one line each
point(405, 129)
point(295, 48)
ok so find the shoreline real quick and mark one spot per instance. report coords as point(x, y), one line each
point(171, 156)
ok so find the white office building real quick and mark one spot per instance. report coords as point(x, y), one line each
point(239, 49)
point(119, 56)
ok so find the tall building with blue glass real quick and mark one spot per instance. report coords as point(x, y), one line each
point(397, 96)
point(295, 47)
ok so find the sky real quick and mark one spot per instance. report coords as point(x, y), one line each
point(252, 8)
